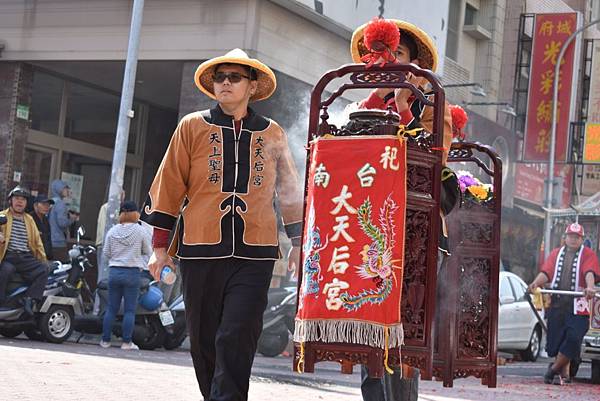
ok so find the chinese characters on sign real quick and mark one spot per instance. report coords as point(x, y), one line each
point(591, 144)
point(550, 32)
point(354, 236)
point(590, 183)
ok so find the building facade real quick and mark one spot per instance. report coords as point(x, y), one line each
point(489, 43)
point(61, 71)
point(62, 61)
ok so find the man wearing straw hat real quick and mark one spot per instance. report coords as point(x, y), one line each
point(569, 267)
point(383, 41)
point(215, 187)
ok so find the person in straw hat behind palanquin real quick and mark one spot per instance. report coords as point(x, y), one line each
point(224, 166)
point(383, 41)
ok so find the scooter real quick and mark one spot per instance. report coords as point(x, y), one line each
point(278, 321)
point(53, 317)
point(157, 323)
point(154, 320)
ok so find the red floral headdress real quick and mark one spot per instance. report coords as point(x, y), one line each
point(381, 38)
point(459, 120)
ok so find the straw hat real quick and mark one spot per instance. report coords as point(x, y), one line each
point(265, 76)
point(427, 56)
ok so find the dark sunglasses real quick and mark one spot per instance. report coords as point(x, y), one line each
point(234, 77)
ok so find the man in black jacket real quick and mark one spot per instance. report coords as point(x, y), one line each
point(41, 208)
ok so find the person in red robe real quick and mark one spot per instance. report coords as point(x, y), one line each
point(571, 267)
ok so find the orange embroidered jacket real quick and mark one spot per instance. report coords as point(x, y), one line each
point(219, 186)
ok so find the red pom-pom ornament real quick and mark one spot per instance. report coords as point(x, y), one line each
point(459, 121)
point(381, 38)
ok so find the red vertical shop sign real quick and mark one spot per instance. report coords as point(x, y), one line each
point(550, 32)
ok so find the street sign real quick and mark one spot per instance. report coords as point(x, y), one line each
point(530, 183)
point(591, 143)
point(590, 183)
point(22, 112)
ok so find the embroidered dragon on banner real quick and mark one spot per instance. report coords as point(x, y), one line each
point(312, 258)
point(377, 263)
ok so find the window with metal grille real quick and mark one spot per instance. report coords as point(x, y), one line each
point(522, 67)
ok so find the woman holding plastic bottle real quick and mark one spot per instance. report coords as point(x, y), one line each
point(125, 246)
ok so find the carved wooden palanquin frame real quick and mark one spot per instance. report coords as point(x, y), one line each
point(421, 242)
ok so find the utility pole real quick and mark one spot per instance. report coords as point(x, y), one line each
point(550, 180)
point(125, 116)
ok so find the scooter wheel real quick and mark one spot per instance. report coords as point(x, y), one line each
point(56, 325)
point(150, 336)
point(34, 334)
point(273, 343)
point(9, 332)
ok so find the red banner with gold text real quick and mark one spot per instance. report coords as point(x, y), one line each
point(550, 32)
point(353, 242)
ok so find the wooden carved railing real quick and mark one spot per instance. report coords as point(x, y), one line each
point(468, 321)
point(468, 299)
point(422, 221)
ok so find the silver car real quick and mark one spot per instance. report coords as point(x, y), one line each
point(518, 328)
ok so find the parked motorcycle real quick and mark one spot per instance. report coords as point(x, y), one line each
point(278, 321)
point(53, 317)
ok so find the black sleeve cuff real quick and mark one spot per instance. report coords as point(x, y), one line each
point(293, 230)
point(157, 219)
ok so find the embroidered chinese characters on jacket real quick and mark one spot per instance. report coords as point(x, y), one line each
point(227, 174)
point(215, 159)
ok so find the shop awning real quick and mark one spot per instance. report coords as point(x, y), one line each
point(589, 207)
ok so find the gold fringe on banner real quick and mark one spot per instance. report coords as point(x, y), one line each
point(350, 332)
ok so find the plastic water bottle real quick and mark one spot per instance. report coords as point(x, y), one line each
point(167, 275)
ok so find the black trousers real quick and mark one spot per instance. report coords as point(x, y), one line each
point(33, 271)
point(224, 301)
point(394, 387)
point(391, 387)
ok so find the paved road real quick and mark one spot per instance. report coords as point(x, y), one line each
point(34, 371)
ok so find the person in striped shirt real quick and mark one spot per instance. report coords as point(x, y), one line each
point(22, 251)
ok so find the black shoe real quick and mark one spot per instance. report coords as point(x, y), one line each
point(28, 306)
point(549, 375)
point(558, 380)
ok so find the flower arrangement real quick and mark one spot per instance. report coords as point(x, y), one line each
point(473, 189)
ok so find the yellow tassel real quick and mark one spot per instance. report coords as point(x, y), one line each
point(387, 351)
point(300, 366)
point(402, 131)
